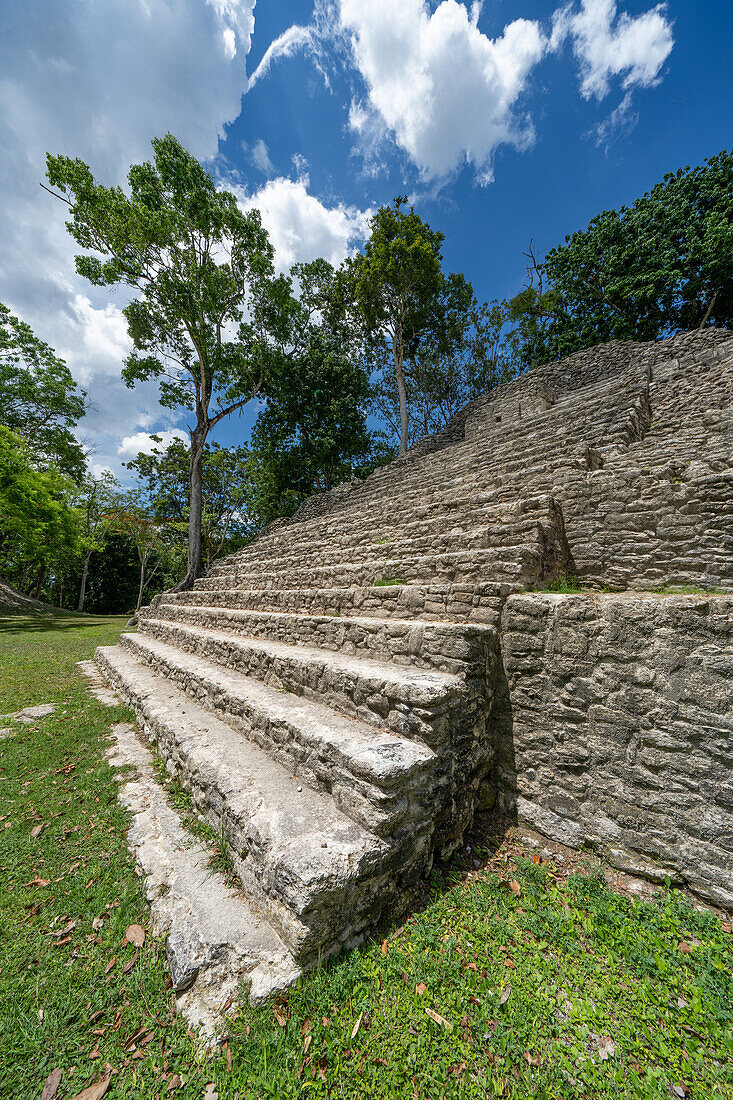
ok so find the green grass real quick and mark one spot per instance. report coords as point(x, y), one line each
point(385, 582)
point(535, 986)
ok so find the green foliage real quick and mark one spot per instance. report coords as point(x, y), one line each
point(38, 523)
point(661, 265)
point(407, 306)
point(312, 433)
point(163, 479)
point(201, 270)
point(39, 399)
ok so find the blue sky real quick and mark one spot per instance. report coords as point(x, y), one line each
point(505, 122)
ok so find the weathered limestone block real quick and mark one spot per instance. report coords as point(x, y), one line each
point(622, 731)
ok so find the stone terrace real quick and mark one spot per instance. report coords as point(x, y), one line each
point(339, 697)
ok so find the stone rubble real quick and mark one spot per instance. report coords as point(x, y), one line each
point(340, 696)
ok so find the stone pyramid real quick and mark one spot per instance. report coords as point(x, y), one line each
point(340, 696)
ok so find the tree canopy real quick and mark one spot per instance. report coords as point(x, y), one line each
point(39, 399)
point(403, 296)
point(210, 320)
point(659, 266)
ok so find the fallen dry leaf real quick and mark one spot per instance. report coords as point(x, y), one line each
point(307, 1043)
point(606, 1048)
point(35, 831)
point(135, 935)
point(110, 964)
point(420, 988)
point(506, 993)
point(685, 948)
point(438, 1019)
point(95, 1091)
point(130, 963)
point(515, 888)
point(357, 1025)
point(280, 1016)
point(173, 1083)
point(385, 946)
point(210, 1092)
point(52, 1083)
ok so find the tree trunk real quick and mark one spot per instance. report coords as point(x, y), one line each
point(143, 561)
point(39, 581)
point(83, 586)
point(195, 503)
point(397, 352)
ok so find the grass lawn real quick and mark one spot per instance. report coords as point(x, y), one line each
point(516, 979)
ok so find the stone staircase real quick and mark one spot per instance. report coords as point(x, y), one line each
point(331, 695)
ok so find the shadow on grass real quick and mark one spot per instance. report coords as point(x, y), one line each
point(62, 621)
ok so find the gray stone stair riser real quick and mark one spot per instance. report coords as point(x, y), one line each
point(480, 538)
point(433, 708)
point(479, 603)
point(385, 783)
point(470, 519)
point(319, 878)
point(456, 648)
point(515, 564)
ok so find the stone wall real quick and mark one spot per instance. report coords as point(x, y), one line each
point(616, 730)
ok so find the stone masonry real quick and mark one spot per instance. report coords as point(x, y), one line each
point(339, 697)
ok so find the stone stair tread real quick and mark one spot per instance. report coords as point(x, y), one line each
point(370, 752)
point(424, 685)
point(305, 847)
point(215, 937)
point(366, 621)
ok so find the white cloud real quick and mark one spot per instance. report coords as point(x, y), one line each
point(303, 228)
point(259, 155)
point(293, 39)
point(98, 79)
point(608, 43)
point(132, 445)
point(621, 120)
point(446, 93)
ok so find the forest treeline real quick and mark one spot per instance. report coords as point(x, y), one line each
point(348, 366)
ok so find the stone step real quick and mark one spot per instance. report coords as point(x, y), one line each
point(480, 603)
point(516, 564)
point(331, 552)
point(462, 649)
point(319, 878)
point(475, 517)
point(373, 776)
point(217, 943)
point(414, 703)
point(464, 517)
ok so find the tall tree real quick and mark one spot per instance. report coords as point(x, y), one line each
point(201, 269)
point(312, 432)
point(402, 294)
point(38, 397)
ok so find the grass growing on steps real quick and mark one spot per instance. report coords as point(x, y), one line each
point(562, 990)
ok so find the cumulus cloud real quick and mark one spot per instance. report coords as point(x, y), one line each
point(447, 93)
point(608, 44)
point(97, 79)
point(133, 445)
point(301, 227)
